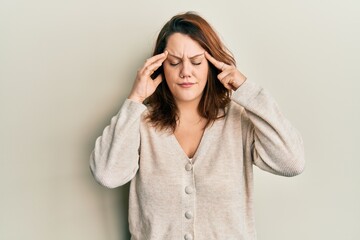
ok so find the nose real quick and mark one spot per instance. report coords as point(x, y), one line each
point(185, 71)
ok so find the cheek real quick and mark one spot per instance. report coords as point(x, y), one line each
point(170, 77)
point(170, 73)
point(202, 73)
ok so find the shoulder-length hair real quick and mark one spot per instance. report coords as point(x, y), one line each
point(163, 112)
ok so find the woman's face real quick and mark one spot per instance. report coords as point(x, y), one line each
point(186, 68)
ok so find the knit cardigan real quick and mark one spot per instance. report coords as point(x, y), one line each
point(210, 197)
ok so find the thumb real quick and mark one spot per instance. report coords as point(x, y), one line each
point(158, 80)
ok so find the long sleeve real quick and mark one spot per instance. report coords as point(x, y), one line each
point(114, 160)
point(275, 145)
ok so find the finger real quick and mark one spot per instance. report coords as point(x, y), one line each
point(161, 57)
point(230, 82)
point(227, 86)
point(225, 73)
point(150, 69)
point(219, 65)
point(223, 81)
point(229, 79)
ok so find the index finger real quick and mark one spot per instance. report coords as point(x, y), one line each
point(219, 65)
point(155, 58)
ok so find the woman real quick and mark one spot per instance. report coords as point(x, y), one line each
point(187, 138)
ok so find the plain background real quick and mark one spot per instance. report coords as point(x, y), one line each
point(67, 66)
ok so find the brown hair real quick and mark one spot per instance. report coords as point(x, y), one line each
point(163, 112)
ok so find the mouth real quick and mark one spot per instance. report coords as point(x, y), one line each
point(186, 84)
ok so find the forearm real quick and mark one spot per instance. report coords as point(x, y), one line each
point(114, 160)
point(277, 146)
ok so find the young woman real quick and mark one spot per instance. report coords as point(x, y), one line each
point(188, 136)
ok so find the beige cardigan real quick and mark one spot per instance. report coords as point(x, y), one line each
point(210, 197)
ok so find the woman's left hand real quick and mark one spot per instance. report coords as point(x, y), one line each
point(229, 76)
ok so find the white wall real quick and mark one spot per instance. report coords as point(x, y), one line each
point(67, 66)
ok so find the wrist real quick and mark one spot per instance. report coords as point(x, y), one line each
point(136, 98)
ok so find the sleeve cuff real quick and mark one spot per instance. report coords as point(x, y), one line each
point(132, 107)
point(246, 93)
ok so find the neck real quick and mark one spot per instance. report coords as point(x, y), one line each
point(188, 111)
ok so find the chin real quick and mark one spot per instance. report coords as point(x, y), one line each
point(188, 99)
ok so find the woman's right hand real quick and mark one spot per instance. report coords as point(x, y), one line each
point(144, 86)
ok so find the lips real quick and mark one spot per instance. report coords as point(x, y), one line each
point(186, 84)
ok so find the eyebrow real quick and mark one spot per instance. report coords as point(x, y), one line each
point(195, 56)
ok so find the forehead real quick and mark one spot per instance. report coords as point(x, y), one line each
point(182, 45)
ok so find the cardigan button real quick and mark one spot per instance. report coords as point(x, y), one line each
point(188, 237)
point(189, 189)
point(188, 215)
point(188, 167)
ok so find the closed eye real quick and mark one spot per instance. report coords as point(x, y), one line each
point(177, 63)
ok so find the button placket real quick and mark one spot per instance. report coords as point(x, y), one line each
point(189, 202)
point(189, 189)
point(188, 167)
point(188, 236)
point(188, 214)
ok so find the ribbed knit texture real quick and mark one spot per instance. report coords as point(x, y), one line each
point(210, 197)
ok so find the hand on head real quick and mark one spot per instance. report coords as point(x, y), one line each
point(144, 86)
point(229, 76)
